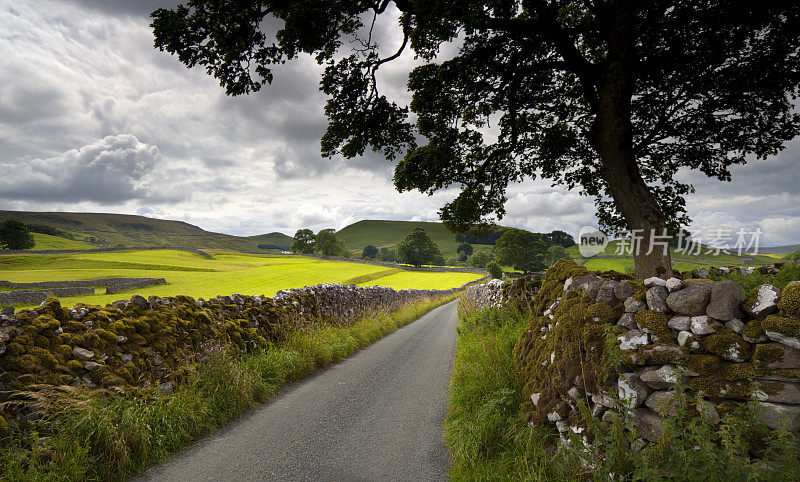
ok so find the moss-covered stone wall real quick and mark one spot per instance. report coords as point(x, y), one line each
point(148, 344)
point(594, 337)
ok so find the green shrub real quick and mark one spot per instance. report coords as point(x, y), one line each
point(494, 269)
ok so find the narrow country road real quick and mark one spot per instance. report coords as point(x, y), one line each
point(375, 416)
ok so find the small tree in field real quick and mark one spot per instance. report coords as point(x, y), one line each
point(479, 260)
point(369, 252)
point(328, 245)
point(559, 238)
point(523, 250)
point(15, 235)
point(304, 242)
point(465, 248)
point(418, 248)
point(494, 269)
point(388, 254)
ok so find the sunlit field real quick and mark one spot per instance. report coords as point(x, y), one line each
point(193, 275)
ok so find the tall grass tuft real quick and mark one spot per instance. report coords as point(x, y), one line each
point(112, 437)
point(488, 434)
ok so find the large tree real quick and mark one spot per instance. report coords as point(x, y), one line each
point(328, 244)
point(15, 235)
point(610, 97)
point(304, 241)
point(523, 250)
point(418, 248)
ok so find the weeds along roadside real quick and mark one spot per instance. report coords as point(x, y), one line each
point(104, 436)
point(489, 437)
point(487, 433)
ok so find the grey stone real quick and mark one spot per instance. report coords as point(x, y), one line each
point(662, 351)
point(139, 302)
point(632, 339)
point(681, 323)
point(627, 321)
point(82, 354)
point(604, 400)
point(701, 325)
point(656, 299)
point(648, 424)
point(631, 390)
point(654, 281)
point(691, 300)
point(535, 398)
point(777, 416)
point(126, 357)
point(683, 337)
point(156, 361)
point(664, 377)
point(765, 303)
point(736, 325)
point(674, 284)
point(623, 290)
point(606, 293)
point(2, 348)
point(78, 313)
point(121, 339)
point(789, 359)
point(90, 365)
point(661, 402)
point(7, 311)
point(632, 305)
point(789, 341)
point(726, 296)
point(574, 392)
point(778, 393)
point(708, 411)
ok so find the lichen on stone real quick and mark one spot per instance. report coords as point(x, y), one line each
point(789, 304)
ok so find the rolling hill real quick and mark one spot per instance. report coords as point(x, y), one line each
point(125, 230)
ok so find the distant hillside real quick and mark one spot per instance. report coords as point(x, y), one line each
point(382, 233)
point(779, 249)
point(123, 230)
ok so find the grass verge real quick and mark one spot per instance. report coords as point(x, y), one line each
point(111, 437)
point(487, 433)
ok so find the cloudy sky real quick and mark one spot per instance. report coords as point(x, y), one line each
point(94, 119)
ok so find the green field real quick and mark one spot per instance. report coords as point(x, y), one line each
point(46, 241)
point(679, 259)
point(229, 272)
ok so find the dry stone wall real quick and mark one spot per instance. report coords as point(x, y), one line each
point(103, 250)
point(20, 293)
point(142, 343)
point(711, 338)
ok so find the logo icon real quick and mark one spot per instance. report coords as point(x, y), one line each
point(591, 241)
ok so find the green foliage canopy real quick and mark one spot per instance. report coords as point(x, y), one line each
point(369, 252)
point(15, 235)
point(328, 245)
point(494, 269)
point(304, 242)
point(523, 250)
point(418, 248)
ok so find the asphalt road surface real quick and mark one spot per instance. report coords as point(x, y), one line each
point(375, 416)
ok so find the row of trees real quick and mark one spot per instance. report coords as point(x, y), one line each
point(324, 242)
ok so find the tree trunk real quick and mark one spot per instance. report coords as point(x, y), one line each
point(612, 137)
